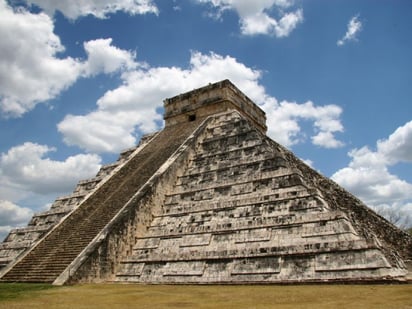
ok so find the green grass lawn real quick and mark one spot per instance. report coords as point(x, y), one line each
point(20, 290)
point(191, 296)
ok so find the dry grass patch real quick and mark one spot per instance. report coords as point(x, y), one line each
point(189, 296)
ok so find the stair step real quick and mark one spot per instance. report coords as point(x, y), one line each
point(55, 252)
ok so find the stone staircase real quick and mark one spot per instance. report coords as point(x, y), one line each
point(21, 239)
point(46, 261)
point(206, 202)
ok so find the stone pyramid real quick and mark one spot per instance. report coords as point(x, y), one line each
point(208, 199)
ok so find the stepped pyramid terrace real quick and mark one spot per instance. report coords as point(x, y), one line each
point(208, 199)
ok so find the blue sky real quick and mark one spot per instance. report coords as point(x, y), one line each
point(82, 80)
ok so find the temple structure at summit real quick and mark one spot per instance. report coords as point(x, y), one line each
point(208, 199)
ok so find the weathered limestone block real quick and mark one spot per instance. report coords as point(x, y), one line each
point(105, 170)
point(271, 265)
point(86, 186)
point(192, 268)
point(371, 259)
point(50, 217)
point(68, 201)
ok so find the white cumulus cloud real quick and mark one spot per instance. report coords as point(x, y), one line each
point(29, 176)
point(284, 117)
point(13, 214)
point(354, 27)
point(398, 146)
point(255, 17)
point(368, 175)
point(103, 57)
point(31, 71)
point(133, 107)
point(27, 167)
point(74, 9)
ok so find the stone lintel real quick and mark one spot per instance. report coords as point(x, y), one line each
point(212, 99)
